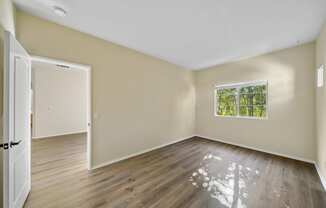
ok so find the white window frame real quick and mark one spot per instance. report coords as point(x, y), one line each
point(238, 86)
point(320, 76)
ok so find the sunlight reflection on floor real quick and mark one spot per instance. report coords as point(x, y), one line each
point(229, 188)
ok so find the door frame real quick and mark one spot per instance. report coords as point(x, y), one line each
point(88, 70)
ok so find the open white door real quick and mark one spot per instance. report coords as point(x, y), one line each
point(17, 128)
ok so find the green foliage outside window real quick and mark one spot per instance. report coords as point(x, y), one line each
point(247, 101)
point(227, 102)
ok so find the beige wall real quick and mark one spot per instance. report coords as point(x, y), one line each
point(290, 128)
point(320, 104)
point(59, 101)
point(138, 102)
point(7, 22)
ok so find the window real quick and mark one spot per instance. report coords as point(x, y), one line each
point(242, 100)
point(320, 76)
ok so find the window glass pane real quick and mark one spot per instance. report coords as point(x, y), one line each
point(253, 89)
point(252, 101)
point(244, 111)
point(226, 102)
point(260, 111)
point(253, 111)
point(259, 99)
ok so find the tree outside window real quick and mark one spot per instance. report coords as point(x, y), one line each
point(242, 100)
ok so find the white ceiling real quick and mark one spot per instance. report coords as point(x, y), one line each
point(191, 33)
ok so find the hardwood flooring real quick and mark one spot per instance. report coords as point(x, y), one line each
point(195, 173)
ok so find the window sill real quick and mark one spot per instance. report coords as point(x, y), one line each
point(243, 117)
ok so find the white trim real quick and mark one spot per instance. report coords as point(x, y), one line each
point(139, 153)
point(243, 117)
point(258, 149)
point(88, 69)
point(242, 84)
point(322, 179)
point(56, 135)
point(89, 118)
point(7, 114)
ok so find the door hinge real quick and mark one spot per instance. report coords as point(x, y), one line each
point(4, 146)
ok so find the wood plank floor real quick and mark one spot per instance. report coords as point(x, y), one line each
point(195, 173)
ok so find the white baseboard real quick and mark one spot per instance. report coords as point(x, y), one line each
point(322, 179)
point(55, 135)
point(258, 149)
point(138, 153)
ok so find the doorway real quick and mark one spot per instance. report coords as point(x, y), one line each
point(68, 113)
point(17, 131)
point(60, 126)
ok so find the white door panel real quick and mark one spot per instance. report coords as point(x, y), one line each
point(17, 128)
point(22, 129)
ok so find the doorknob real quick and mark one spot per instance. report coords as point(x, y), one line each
point(15, 143)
